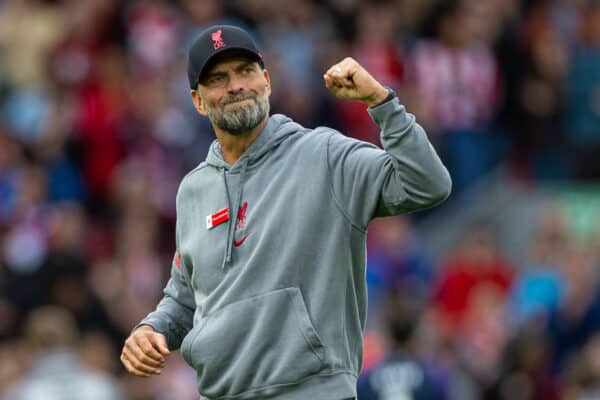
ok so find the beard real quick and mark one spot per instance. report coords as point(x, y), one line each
point(242, 117)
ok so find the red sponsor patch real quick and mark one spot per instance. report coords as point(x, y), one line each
point(217, 218)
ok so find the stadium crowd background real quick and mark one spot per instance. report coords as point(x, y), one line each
point(97, 128)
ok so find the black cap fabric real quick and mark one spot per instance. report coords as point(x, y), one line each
point(214, 41)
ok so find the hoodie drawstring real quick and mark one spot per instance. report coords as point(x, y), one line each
point(227, 248)
point(233, 216)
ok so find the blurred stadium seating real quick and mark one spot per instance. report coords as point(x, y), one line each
point(97, 128)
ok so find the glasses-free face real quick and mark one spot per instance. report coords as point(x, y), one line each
point(234, 94)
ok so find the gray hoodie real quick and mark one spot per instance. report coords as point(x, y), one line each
point(271, 303)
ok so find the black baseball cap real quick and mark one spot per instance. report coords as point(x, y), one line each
point(215, 41)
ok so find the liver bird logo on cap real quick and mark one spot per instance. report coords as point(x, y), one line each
point(217, 39)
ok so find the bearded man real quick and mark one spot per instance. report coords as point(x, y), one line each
point(267, 295)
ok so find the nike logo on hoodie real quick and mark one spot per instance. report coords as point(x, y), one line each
point(238, 243)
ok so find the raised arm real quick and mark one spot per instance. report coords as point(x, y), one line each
point(368, 182)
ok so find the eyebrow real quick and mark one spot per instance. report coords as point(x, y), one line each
point(243, 65)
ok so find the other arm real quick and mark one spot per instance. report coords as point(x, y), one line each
point(162, 330)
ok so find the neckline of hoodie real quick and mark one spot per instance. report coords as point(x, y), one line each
point(257, 148)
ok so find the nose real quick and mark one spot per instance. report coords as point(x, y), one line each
point(235, 84)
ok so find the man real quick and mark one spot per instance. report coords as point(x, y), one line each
point(267, 295)
point(402, 375)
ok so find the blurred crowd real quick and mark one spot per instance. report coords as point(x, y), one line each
point(97, 129)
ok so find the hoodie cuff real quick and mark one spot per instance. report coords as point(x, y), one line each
point(390, 113)
point(160, 327)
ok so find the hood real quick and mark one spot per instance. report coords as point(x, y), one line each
point(277, 129)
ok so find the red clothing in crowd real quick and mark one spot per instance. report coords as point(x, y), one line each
point(460, 277)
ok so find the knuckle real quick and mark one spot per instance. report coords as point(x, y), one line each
point(145, 347)
point(131, 341)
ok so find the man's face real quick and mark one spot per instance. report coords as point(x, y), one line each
point(234, 94)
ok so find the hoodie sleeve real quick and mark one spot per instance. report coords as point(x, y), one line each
point(174, 314)
point(407, 175)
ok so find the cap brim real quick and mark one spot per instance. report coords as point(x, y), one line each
point(227, 53)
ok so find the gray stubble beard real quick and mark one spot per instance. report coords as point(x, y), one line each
point(243, 118)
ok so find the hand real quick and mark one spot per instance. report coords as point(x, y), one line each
point(349, 80)
point(144, 352)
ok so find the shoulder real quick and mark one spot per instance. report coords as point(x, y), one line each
point(190, 179)
point(309, 140)
point(199, 168)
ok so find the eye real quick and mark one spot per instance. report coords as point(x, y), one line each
point(215, 79)
point(248, 69)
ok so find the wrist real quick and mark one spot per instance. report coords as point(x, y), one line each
point(145, 327)
point(381, 95)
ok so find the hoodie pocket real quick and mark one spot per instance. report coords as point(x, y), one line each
point(253, 344)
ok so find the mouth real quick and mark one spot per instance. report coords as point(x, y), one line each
point(240, 100)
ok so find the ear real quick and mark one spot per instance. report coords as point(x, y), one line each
point(198, 102)
point(268, 80)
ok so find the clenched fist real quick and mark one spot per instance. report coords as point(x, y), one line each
point(144, 352)
point(349, 80)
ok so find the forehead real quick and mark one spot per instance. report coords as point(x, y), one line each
point(229, 61)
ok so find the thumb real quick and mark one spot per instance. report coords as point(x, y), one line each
point(160, 342)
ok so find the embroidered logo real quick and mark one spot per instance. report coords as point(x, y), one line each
point(238, 243)
point(241, 217)
point(217, 39)
point(241, 224)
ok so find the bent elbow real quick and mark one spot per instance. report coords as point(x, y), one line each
point(442, 191)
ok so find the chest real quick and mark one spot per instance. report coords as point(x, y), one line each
point(278, 207)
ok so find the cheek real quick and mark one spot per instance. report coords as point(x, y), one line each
point(262, 88)
point(211, 97)
point(212, 103)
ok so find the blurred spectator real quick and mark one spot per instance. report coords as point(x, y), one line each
point(456, 83)
point(577, 319)
point(538, 137)
point(57, 153)
point(397, 260)
point(540, 286)
point(525, 373)
point(582, 378)
point(20, 354)
point(25, 244)
point(56, 372)
point(154, 29)
point(403, 375)
point(477, 269)
point(297, 75)
point(142, 267)
point(582, 122)
point(484, 332)
point(101, 112)
point(11, 159)
point(28, 31)
point(377, 47)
